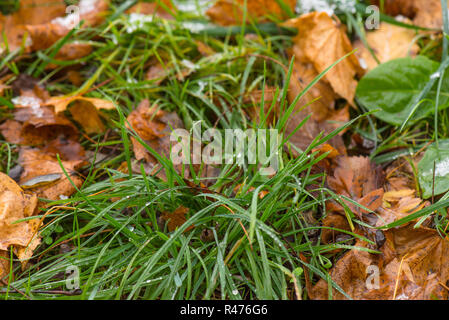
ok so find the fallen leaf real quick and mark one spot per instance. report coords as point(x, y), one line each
point(204, 49)
point(394, 196)
point(15, 205)
point(35, 124)
point(358, 179)
point(31, 12)
point(147, 8)
point(388, 42)
point(321, 41)
point(412, 265)
point(230, 12)
point(176, 218)
point(84, 110)
point(37, 163)
point(427, 14)
point(4, 265)
point(154, 127)
point(157, 73)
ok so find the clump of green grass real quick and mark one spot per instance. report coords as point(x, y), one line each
point(241, 246)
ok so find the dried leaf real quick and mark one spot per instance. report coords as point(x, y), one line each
point(147, 8)
point(230, 12)
point(427, 14)
point(416, 260)
point(37, 163)
point(31, 12)
point(154, 127)
point(356, 178)
point(16, 205)
point(35, 124)
point(388, 42)
point(321, 41)
point(84, 110)
point(176, 218)
point(4, 265)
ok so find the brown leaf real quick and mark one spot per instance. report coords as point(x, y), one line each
point(31, 12)
point(356, 177)
point(388, 42)
point(152, 8)
point(176, 218)
point(321, 41)
point(15, 205)
point(37, 163)
point(62, 102)
point(84, 110)
point(414, 260)
point(230, 12)
point(426, 14)
point(4, 265)
point(154, 127)
point(36, 124)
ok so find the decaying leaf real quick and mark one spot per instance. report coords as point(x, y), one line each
point(15, 205)
point(427, 14)
point(231, 12)
point(38, 164)
point(154, 127)
point(388, 42)
point(4, 265)
point(44, 22)
point(31, 12)
point(164, 10)
point(176, 218)
point(83, 109)
point(321, 41)
point(412, 266)
point(35, 124)
point(358, 179)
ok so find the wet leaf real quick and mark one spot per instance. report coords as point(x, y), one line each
point(321, 41)
point(164, 10)
point(38, 164)
point(176, 218)
point(31, 12)
point(412, 266)
point(84, 110)
point(15, 205)
point(231, 12)
point(389, 42)
point(427, 14)
point(154, 127)
point(433, 170)
point(394, 86)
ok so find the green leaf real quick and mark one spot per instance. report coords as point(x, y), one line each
point(436, 157)
point(395, 85)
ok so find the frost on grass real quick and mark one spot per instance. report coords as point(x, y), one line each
point(328, 6)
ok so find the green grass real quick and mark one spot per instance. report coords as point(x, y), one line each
point(254, 245)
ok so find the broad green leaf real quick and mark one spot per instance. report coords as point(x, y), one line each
point(394, 86)
point(436, 157)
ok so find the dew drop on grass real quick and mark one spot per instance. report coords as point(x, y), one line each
point(235, 292)
point(436, 75)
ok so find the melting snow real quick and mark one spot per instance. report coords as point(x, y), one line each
point(328, 6)
point(34, 103)
point(442, 168)
point(137, 20)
